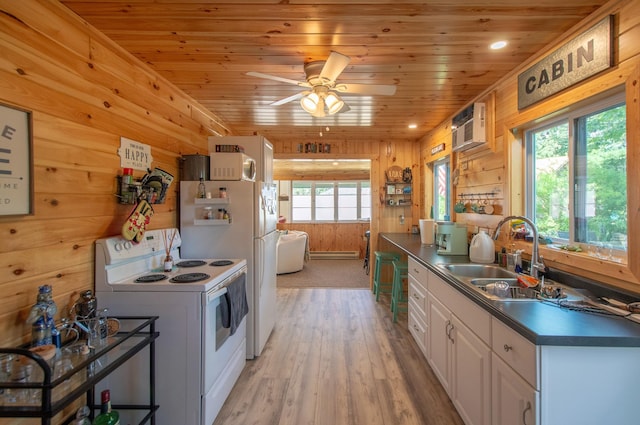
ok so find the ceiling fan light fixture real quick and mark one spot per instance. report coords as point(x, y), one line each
point(310, 102)
point(319, 112)
point(334, 103)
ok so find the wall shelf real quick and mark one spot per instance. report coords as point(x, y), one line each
point(210, 222)
point(397, 194)
point(211, 201)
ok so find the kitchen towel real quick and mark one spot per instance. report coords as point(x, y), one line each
point(233, 304)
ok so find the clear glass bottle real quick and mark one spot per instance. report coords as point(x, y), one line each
point(202, 190)
point(107, 416)
point(168, 263)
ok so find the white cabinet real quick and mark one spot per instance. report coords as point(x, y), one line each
point(439, 341)
point(520, 354)
point(418, 323)
point(471, 375)
point(459, 355)
point(513, 400)
point(496, 376)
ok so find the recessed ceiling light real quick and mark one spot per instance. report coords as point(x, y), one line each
point(498, 45)
point(413, 125)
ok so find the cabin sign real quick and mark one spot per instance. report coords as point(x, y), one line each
point(581, 58)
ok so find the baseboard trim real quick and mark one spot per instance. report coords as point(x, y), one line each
point(334, 255)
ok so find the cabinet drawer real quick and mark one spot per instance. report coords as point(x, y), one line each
point(419, 331)
point(516, 351)
point(417, 296)
point(419, 272)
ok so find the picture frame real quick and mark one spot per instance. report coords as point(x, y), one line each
point(16, 162)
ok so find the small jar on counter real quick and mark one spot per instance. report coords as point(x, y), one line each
point(208, 213)
point(223, 192)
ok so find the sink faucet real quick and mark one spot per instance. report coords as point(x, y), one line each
point(537, 264)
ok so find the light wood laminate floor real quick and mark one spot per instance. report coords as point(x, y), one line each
point(336, 358)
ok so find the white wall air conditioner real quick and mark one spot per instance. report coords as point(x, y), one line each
point(469, 128)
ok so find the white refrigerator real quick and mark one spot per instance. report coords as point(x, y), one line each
point(251, 234)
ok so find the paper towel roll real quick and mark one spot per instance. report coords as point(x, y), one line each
point(426, 231)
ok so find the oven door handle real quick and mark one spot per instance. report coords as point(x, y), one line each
point(216, 294)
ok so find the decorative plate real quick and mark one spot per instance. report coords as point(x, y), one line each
point(394, 174)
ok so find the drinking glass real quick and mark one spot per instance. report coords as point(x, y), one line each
point(6, 367)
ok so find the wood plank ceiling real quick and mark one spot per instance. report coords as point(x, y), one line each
point(435, 52)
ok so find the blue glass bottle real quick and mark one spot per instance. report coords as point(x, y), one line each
point(41, 318)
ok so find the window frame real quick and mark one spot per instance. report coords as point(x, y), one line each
point(336, 198)
point(572, 117)
point(444, 161)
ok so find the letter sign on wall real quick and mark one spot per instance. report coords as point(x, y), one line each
point(16, 185)
point(134, 154)
point(579, 59)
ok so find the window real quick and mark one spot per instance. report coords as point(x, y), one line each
point(325, 201)
point(576, 177)
point(441, 190)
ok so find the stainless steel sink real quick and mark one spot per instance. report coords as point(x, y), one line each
point(515, 293)
point(478, 271)
point(478, 276)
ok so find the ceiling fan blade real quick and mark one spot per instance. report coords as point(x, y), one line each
point(372, 89)
point(280, 79)
point(345, 108)
point(334, 66)
point(289, 99)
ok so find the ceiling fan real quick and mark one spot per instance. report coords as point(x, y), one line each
point(320, 99)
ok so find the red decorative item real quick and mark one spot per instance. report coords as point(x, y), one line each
point(133, 228)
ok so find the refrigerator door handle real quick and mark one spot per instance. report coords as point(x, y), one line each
point(261, 258)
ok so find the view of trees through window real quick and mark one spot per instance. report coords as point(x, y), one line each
point(578, 174)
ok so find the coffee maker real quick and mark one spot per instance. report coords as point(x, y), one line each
point(451, 238)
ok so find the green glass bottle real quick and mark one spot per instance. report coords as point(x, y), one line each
point(106, 416)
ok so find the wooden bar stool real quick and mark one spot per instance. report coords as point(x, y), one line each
point(399, 301)
point(382, 258)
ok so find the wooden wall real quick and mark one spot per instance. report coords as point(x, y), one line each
point(333, 236)
point(499, 165)
point(84, 93)
point(383, 154)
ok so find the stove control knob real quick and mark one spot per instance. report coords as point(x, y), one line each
point(118, 247)
point(128, 245)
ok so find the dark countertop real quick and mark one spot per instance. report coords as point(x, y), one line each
point(540, 322)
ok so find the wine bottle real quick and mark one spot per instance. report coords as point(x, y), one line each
point(202, 190)
point(106, 416)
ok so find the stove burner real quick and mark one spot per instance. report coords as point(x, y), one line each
point(150, 278)
point(219, 263)
point(189, 278)
point(191, 263)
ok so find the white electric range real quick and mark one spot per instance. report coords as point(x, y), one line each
point(197, 360)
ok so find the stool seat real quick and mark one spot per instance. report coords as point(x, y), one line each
point(399, 301)
point(382, 258)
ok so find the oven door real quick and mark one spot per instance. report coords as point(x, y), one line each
point(223, 356)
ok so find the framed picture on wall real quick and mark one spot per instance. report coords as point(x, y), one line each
point(16, 186)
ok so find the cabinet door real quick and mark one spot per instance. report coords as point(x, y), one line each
point(513, 400)
point(438, 337)
point(471, 375)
